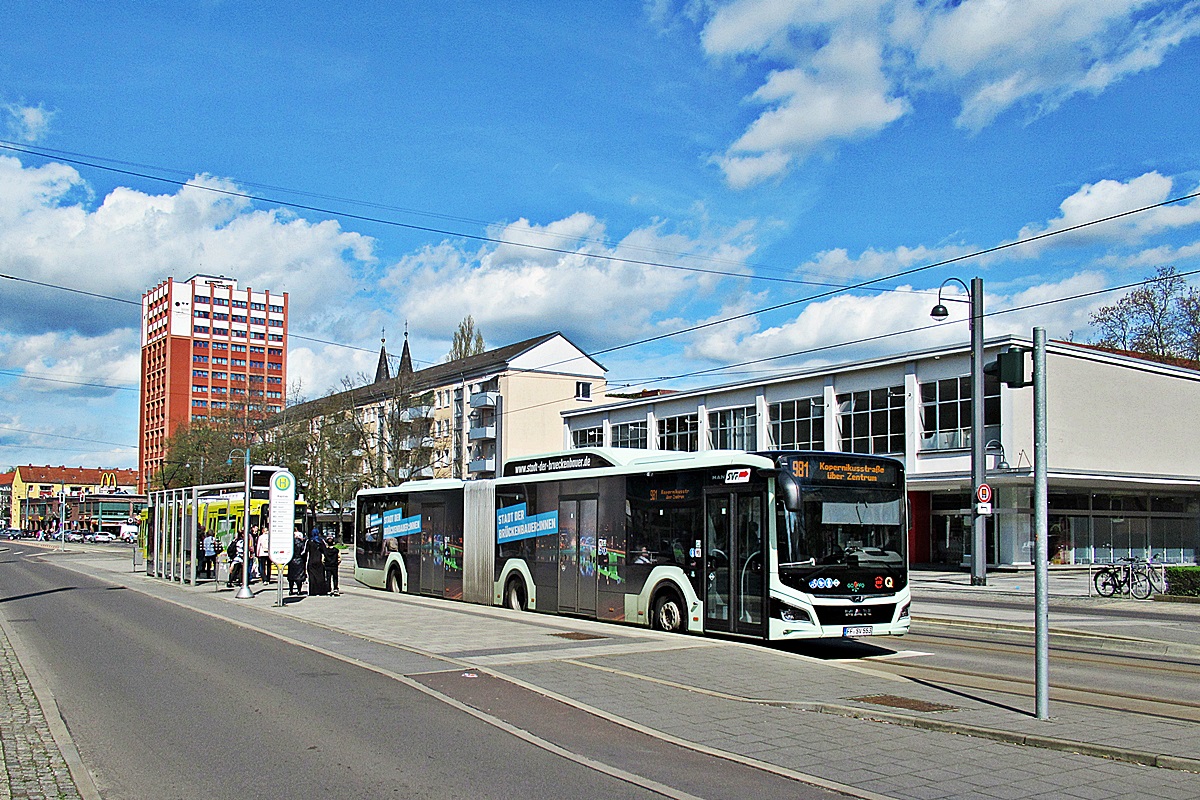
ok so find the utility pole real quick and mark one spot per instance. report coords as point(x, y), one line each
point(1041, 528)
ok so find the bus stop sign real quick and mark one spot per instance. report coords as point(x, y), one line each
point(281, 519)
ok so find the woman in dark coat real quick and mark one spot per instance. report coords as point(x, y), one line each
point(297, 567)
point(316, 564)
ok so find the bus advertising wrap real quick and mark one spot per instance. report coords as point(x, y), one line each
point(513, 524)
point(395, 524)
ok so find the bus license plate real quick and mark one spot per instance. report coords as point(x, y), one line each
point(857, 630)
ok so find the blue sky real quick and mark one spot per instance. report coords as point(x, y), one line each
point(830, 142)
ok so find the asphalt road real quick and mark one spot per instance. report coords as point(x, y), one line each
point(163, 703)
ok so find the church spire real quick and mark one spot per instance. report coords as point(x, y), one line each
point(406, 367)
point(382, 373)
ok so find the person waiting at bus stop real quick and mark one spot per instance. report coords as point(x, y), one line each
point(262, 549)
point(332, 557)
point(296, 568)
point(316, 564)
point(237, 561)
point(208, 547)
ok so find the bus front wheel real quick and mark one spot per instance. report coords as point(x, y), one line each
point(393, 581)
point(668, 613)
point(514, 595)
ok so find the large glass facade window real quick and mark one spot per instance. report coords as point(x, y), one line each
point(678, 433)
point(630, 434)
point(946, 412)
point(733, 429)
point(872, 421)
point(798, 424)
point(588, 437)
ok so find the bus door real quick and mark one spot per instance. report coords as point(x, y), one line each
point(734, 557)
point(577, 556)
point(433, 533)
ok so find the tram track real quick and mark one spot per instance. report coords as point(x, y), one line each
point(1172, 709)
point(1131, 669)
point(1078, 650)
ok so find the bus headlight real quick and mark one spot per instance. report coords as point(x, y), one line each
point(904, 611)
point(791, 613)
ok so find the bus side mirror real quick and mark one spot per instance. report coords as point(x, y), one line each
point(788, 489)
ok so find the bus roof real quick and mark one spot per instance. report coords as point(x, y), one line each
point(589, 462)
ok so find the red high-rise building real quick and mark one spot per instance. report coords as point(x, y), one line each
point(208, 349)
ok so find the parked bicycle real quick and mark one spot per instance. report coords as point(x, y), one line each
point(1136, 576)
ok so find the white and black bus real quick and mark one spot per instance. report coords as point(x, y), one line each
point(772, 545)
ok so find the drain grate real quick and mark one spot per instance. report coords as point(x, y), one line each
point(907, 703)
point(577, 636)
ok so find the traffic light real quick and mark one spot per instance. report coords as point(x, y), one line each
point(1009, 367)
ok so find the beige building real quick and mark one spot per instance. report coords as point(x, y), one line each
point(1123, 446)
point(481, 409)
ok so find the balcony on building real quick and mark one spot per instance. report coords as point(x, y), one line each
point(416, 412)
point(485, 399)
point(482, 433)
point(478, 465)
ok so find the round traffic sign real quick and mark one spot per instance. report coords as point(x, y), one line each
point(984, 493)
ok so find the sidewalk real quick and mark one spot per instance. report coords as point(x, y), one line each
point(839, 724)
point(33, 761)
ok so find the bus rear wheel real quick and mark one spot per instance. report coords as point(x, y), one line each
point(394, 584)
point(668, 613)
point(515, 596)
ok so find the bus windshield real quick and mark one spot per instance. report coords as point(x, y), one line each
point(849, 527)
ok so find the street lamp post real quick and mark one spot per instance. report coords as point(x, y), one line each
point(978, 521)
point(244, 593)
point(62, 518)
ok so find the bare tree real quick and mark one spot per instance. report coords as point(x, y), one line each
point(392, 428)
point(1158, 318)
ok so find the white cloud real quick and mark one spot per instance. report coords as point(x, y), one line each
point(133, 240)
point(995, 54)
point(1108, 198)
point(837, 264)
point(79, 365)
point(27, 123)
point(590, 292)
point(850, 327)
point(1153, 257)
point(840, 69)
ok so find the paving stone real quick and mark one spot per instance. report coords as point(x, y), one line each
point(34, 765)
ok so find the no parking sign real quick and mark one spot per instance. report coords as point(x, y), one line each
point(983, 500)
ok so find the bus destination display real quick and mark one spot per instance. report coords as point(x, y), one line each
point(829, 471)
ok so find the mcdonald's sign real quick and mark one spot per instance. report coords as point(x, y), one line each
point(108, 480)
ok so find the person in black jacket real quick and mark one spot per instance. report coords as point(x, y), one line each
point(316, 564)
point(332, 557)
point(296, 568)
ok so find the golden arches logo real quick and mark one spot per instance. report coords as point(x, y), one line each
point(108, 480)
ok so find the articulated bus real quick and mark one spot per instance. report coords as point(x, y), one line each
point(772, 545)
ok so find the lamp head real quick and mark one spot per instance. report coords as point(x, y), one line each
point(939, 312)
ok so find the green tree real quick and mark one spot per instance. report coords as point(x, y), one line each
point(467, 341)
point(198, 451)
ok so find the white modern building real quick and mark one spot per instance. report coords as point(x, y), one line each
point(1123, 444)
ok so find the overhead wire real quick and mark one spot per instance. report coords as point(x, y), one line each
point(870, 284)
point(398, 224)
